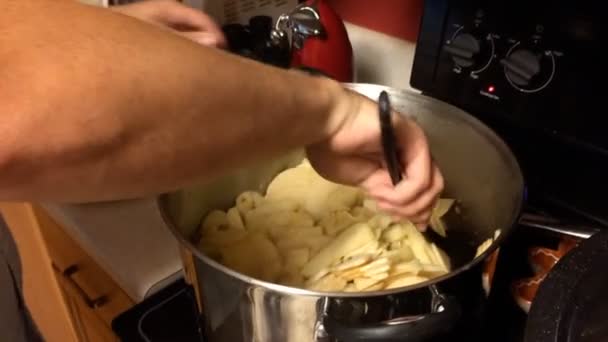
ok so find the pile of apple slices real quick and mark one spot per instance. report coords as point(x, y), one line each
point(309, 233)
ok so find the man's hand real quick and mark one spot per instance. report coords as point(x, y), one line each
point(353, 155)
point(184, 20)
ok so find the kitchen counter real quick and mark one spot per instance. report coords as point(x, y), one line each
point(129, 238)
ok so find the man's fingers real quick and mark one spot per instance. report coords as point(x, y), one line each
point(378, 182)
point(417, 163)
point(418, 172)
point(419, 210)
point(415, 183)
point(183, 19)
point(187, 19)
point(203, 38)
point(421, 206)
point(421, 227)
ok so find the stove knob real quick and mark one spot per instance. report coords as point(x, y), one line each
point(463, 49)
point(521, 66)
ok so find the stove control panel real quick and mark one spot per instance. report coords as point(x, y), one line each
point(470, 50)
point(533, 70)
point(528, 66)
point(477, 49)
point(536, 63)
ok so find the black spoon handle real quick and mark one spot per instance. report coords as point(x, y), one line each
point(389, 142)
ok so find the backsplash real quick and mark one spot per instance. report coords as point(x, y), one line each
point(396, 18)
point(380, 58)
point(383, 39)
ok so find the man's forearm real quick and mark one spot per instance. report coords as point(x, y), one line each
point(123, 109)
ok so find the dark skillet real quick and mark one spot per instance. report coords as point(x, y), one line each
point(572, 302)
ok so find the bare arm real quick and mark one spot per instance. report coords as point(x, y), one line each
point(96, 105)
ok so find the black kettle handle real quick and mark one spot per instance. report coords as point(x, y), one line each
point(446, 312)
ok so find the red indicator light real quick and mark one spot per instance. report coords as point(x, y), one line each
point(490, 89)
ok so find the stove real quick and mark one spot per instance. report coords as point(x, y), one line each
point(168, 315)
point(530, 71)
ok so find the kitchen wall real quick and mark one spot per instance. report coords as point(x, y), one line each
point(380, 58)
point(383, 34)
point(397, 18)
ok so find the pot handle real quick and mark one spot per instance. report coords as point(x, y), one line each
point(445, 312)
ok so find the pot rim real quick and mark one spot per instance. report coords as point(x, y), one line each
point(504, 232)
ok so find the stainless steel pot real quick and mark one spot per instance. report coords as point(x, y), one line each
point(480, 172)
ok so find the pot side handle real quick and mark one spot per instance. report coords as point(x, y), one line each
point(446, 311)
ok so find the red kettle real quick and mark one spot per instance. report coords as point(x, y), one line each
point(319, 40)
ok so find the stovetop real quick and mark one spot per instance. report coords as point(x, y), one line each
point(169, 315)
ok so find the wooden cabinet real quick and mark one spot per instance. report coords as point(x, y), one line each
point(70, 297)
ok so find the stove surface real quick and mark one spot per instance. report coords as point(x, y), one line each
point(169, 315)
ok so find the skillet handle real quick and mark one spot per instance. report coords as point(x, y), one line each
point(555, 226)
point(446, 312)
